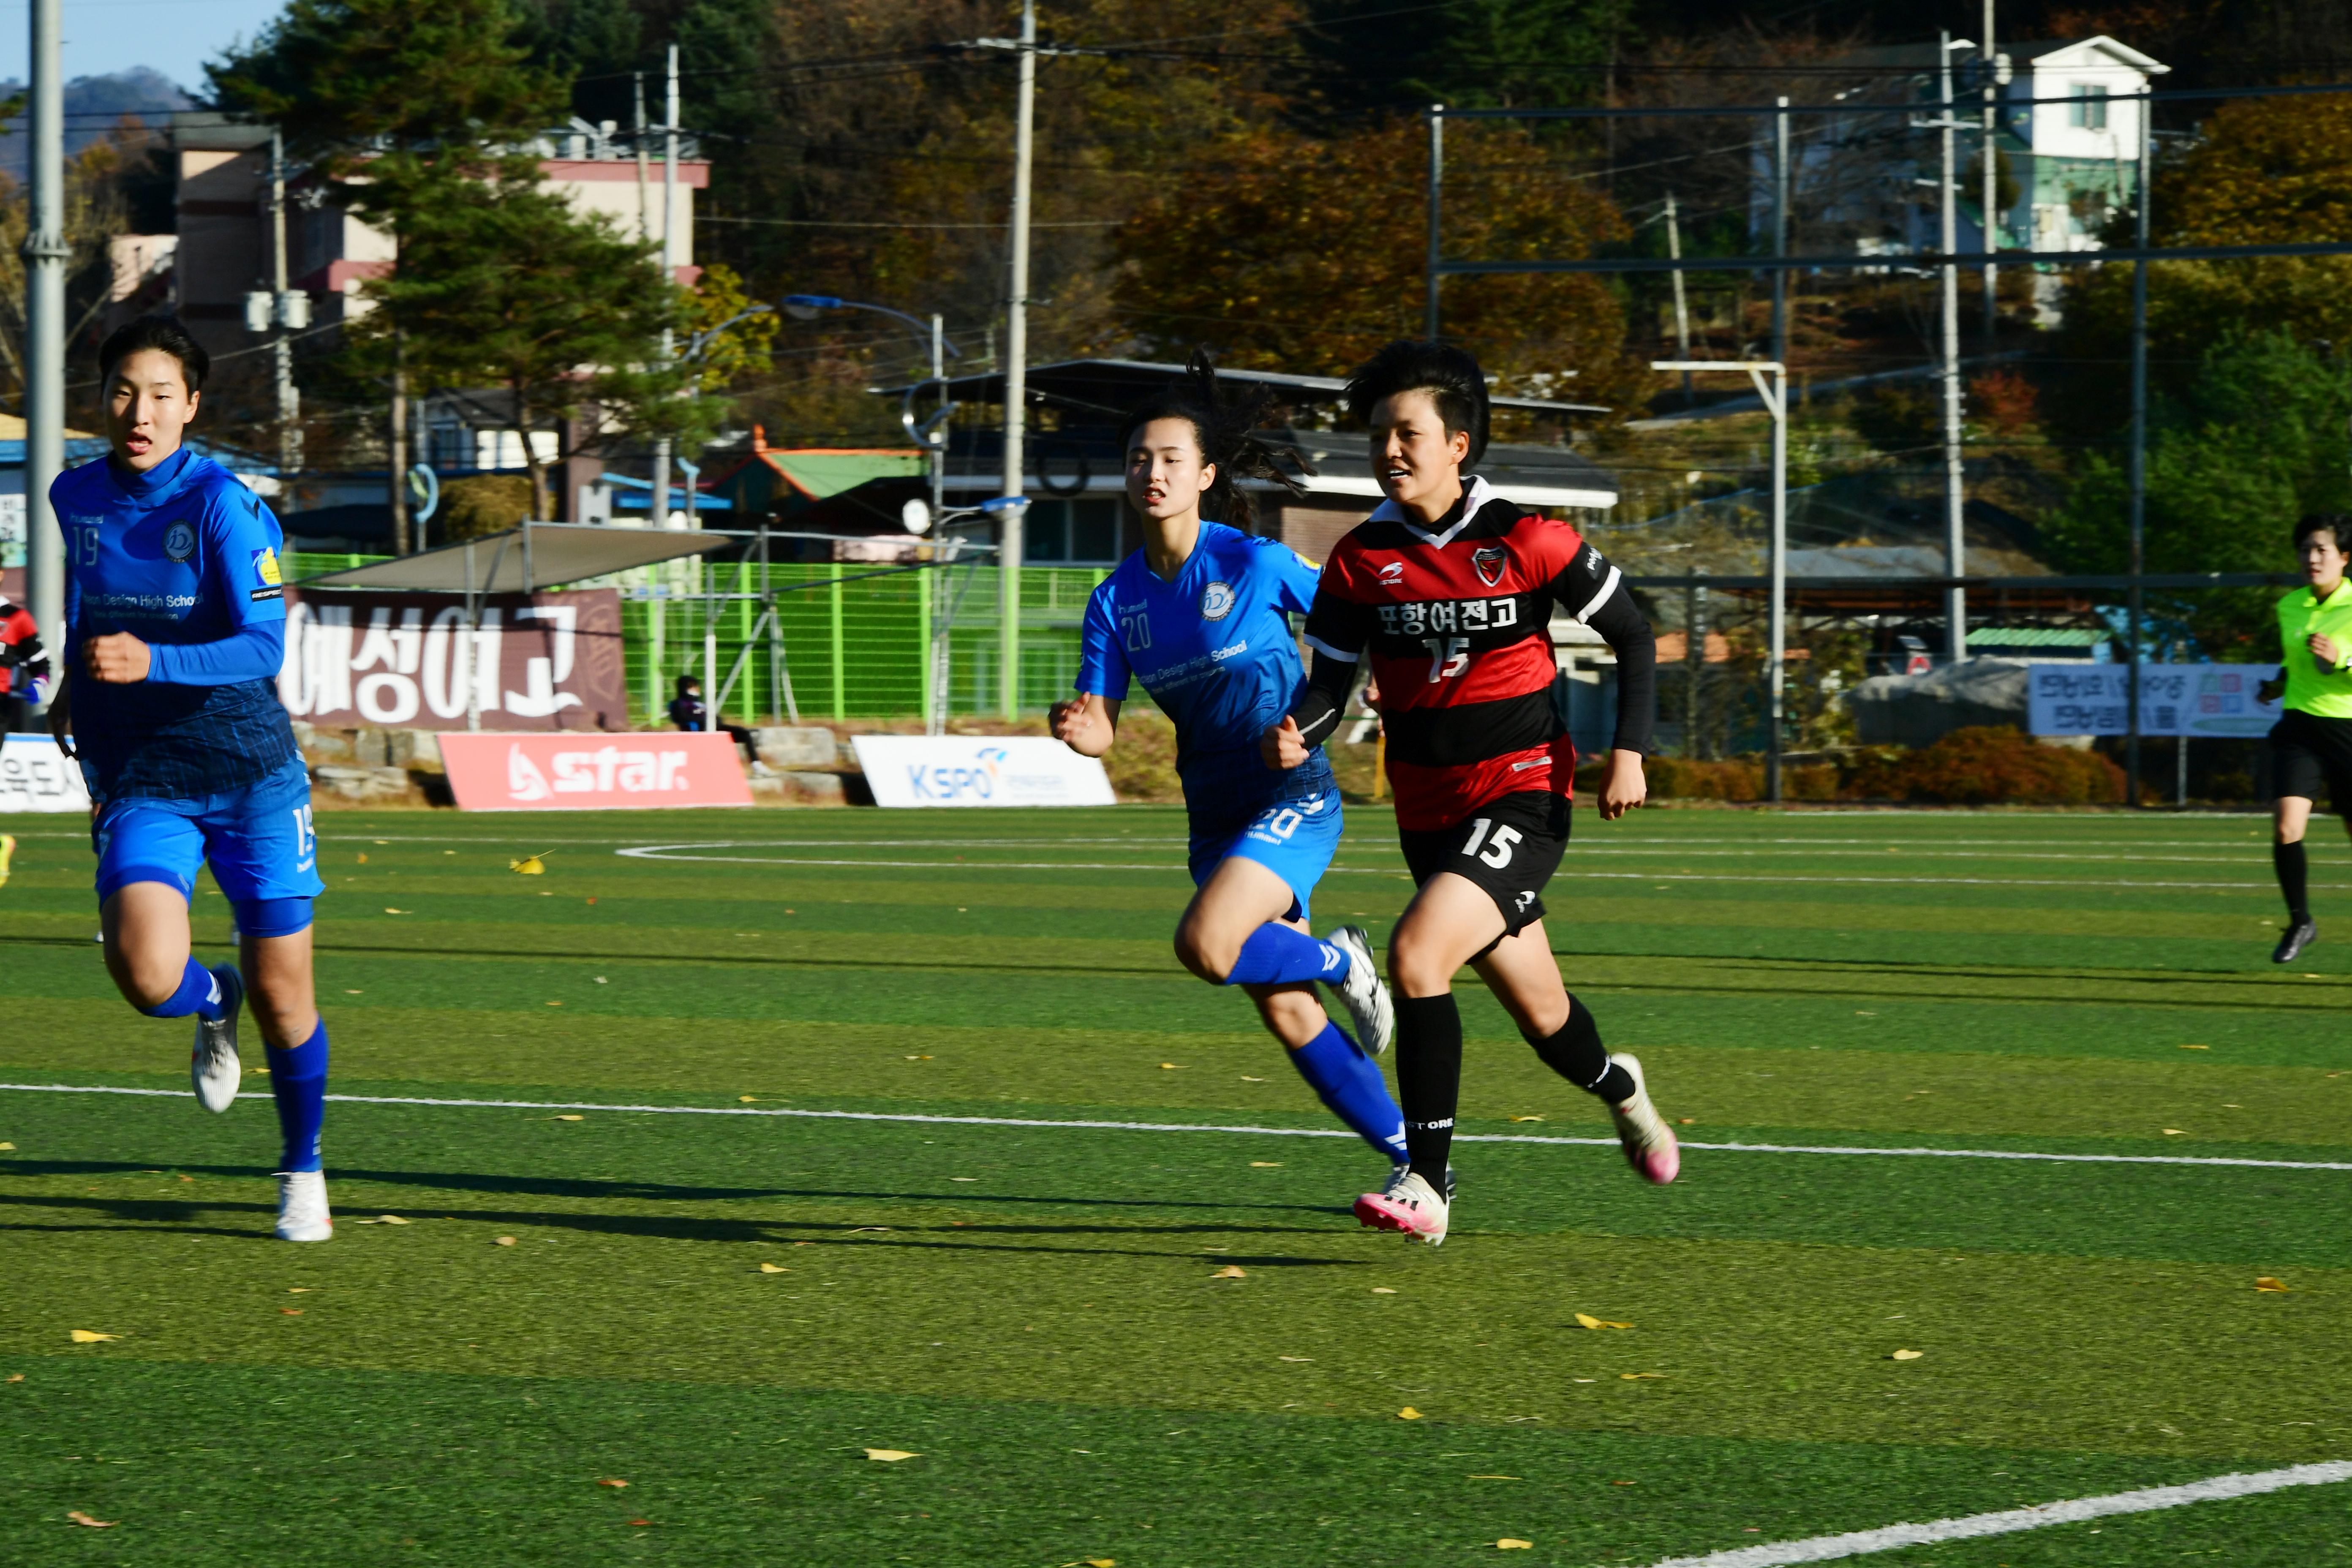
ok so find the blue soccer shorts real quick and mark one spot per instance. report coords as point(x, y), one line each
point(1295, 839)
point(259, 840)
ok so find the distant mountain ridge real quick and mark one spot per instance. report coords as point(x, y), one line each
point(94, 104)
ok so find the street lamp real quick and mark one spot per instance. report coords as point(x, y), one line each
point(1775, 398)
point(928, 434)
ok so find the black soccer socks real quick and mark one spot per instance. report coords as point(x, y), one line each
point(1576, 1053)
point(1428, 1079)
point(2294, 877)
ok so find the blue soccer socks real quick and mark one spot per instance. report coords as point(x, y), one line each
point(200, 991)
point(297, 1081)
point(1275, 955)
point(1347, 1080)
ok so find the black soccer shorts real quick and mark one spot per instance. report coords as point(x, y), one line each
point(2309, 752)
point(1508, 847)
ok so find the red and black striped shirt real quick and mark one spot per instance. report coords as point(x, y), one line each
point(1454, 620)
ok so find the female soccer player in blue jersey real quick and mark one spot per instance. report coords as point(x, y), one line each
point(1198, 615)
point(175, 625)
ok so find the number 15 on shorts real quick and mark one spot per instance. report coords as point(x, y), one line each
point(1497, 852)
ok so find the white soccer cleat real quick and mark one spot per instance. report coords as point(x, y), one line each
point(1649, 1143)
point(213, 1066)
point(1409, 1205)
point(1361, 990)
point(303, 1206)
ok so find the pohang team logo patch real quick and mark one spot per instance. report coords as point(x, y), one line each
point(1216, 601)
point(179, 542)
point(1490, 560)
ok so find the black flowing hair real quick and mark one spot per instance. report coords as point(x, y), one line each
point(1225, 429)
point(1449, 374)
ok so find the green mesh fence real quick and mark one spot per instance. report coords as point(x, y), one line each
point(848, 639)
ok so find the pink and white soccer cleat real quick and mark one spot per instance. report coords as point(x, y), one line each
point(1409, 1205)
point(1649, 1143)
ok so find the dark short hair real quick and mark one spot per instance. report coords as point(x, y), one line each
point(1225, 428)
point(1450, 377)
point(2330, 522)
point(156, 332)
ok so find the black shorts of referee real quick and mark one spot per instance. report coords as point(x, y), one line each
point(2309, 752)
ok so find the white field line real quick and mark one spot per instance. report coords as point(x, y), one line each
point(1216, 1127)
point(1830, 1547)
point(1621, 849)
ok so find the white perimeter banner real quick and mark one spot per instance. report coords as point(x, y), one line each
point(2174, 699)
point(980, 770)
point(37, 777)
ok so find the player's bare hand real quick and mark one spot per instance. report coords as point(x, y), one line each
point(1283, 747)
point(61, 717)
point(2325, 650)
point(1623, 787)
point(1085, 723)
point(117, 658)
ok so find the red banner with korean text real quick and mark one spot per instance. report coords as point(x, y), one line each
point(533, 661)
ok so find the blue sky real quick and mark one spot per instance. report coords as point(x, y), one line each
point(102, 36)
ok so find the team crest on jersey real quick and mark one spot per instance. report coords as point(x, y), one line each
point(265, 567)
point(1490, 560)
point(1216, 601)
point(179, 542)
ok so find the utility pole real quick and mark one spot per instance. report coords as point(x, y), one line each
point(1436, 114)
point(1992, 74)
point(658, 514)
point(1016, 378)
point(2138, 459)
point(645, 201)
point(1682, 303)
point(1780, 232)
point(44, 256)
point(1955, 543)
point(281, 349)
point(399, 464)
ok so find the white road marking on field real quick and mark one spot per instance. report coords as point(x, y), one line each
point(1219, 1127)
point(1830, 1547)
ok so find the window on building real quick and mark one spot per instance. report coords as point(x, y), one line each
point(503, 448)
point(2089, 110)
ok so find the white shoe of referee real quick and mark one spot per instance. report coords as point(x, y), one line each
point(1361, 990)
point(303, 1206)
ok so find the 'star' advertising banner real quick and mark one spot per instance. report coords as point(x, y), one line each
point(593, 772)
point(2174, 699)
point(980, 770)
point(408, 661)
point(34, 775)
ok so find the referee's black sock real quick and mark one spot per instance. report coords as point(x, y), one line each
point(1576, 1053)
point(1428, 1079)
point(2294, 876)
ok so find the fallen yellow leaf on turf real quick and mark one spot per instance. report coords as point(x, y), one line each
point(362, 859)
point(528, 866)
point(613, 1482)
point(773, 1269)
point(80, 1518)
point(1637, 1377)
point(1527, 1118)
point(1383, 1291)
point(1246, 1078)
point(2195, 1048)
point(504, 1241)
point(392, 912)
point(1265, 1165)
point(1513, 1543)
point(291, 1311)
point(1906, 1355)
point(747, 1098)
point(2270, 1286)
point(890, 1455)
point(16, 1377)
point(9, 1146)
point(1172, 1067)
point(1293, 1358)
point(1408, 1414)
point(1230, 1272)
point(86, 1337)
point(1586, 1319)
point(387, 1219)
point(2176, 1132)
point(568, 1118)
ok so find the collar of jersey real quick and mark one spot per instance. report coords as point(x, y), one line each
point(2335, 600)
point(157, 483)
point(1475, 494)
point(1170, 584)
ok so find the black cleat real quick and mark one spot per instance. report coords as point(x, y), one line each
point(2300, 935)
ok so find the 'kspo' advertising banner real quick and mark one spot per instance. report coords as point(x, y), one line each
point(34, 775)
point(593, 772)
point(980, 770)
point(2174, 699)
point(537, 661)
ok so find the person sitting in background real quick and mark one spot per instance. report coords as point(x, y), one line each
point(686, 711)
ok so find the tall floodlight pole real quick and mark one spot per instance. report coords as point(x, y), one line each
point(1774, 395)
point(657, 515)
point(1429, 318)
point(2138, 459)
point(1780, 231)
point(1992, 72)
point(1016, 378)
point(44, 256)
point(1955, 543)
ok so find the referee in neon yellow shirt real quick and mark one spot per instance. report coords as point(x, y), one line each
point(2311, 742)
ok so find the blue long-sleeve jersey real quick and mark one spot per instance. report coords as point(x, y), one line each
point(184, 558)
point(1216, 650)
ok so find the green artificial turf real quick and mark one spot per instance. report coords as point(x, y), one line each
point(1042, 1312)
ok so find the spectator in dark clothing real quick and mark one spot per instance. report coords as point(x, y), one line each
point(686, 712)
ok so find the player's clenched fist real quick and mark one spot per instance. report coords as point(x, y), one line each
point(1283, 747)
point(116, 657)
point(1083, 724)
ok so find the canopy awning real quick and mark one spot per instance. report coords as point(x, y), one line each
point(521, 559)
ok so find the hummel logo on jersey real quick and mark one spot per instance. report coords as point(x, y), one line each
point(1490, 560)
point(1391, 575)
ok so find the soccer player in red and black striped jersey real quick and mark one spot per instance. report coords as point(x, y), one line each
point(1447, 591)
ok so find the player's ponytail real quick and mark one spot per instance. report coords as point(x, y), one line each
point(1226, 428)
